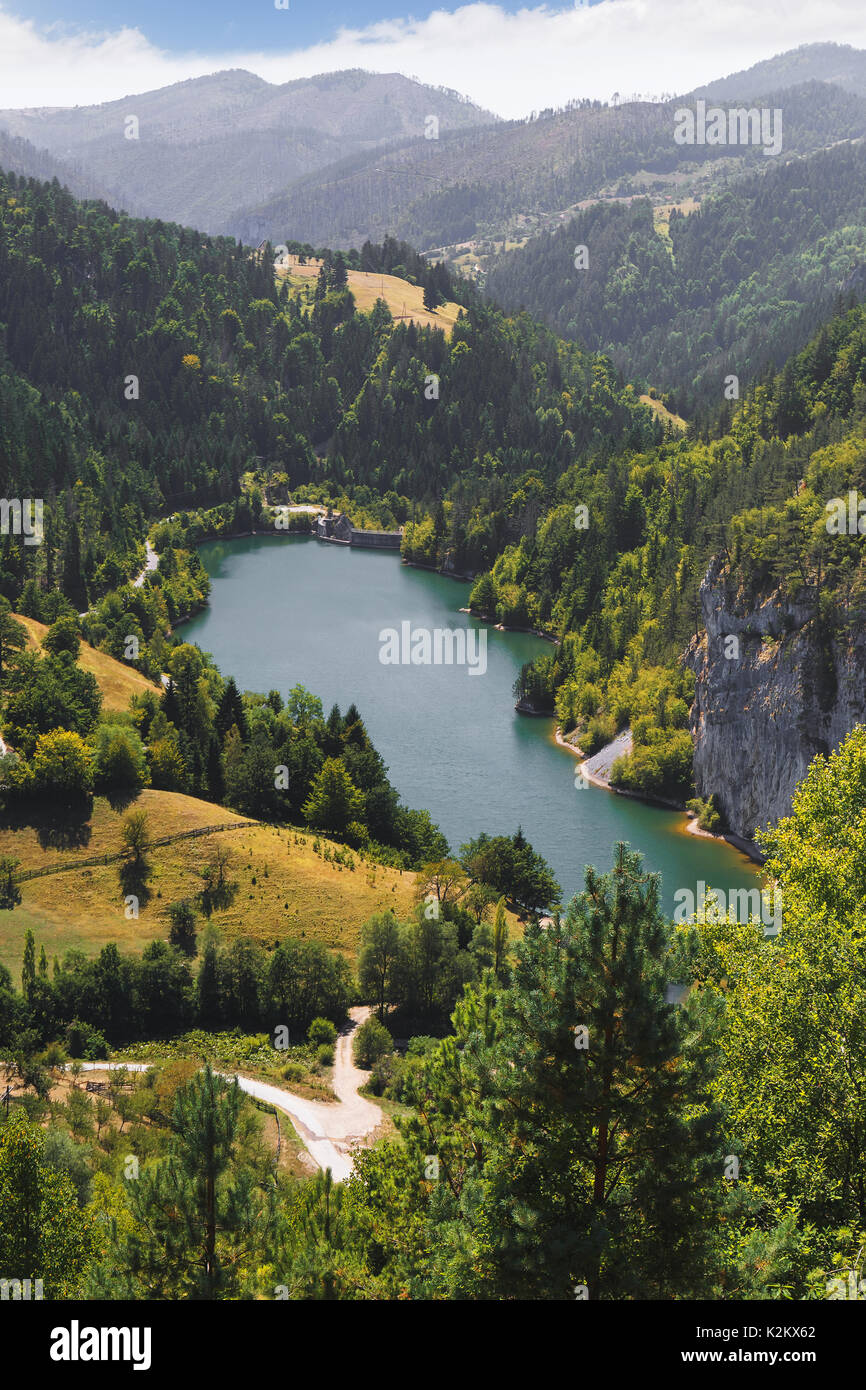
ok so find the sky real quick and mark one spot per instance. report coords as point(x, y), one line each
point(511, 58)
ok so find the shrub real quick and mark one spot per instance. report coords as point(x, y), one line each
point(119, 757)
point(372, 1041)
point(600, 730)
point(63, 636)
point(707, 812)
point(325, 1055)
point(182, 917)
point(322, 1030)
point(383, 1075)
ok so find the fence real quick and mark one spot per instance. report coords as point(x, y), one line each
point(74, 864)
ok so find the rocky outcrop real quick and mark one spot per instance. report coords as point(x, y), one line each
point(773, 690)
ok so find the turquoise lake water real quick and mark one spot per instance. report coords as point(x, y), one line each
point(287, 611)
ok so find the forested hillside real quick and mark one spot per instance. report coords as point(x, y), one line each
point(553, 1125)
point(731, 288)
point(492, 180)
point(147, 368)
point(618, 583)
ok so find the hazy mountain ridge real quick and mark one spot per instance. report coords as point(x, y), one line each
point(814, 62)
point(214, 143)
point(20, 156)
point(340, 158)
point(481, 182)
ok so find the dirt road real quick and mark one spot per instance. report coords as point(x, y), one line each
point(328, 1131)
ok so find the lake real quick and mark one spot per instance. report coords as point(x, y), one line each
point(287, 611)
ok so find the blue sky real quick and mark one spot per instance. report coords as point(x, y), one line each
point(212, 26)
point(510, 56)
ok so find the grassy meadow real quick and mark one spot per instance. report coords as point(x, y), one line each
point(285, 887)
point(285, 884)
point(117, 681)
point(405, 301)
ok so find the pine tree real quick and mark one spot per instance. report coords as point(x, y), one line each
point(215, 776)
point(196, 1212)
point(230, 710)
point(607, 1157)
point(207, 985)
point(334, 801)
point(28, 964)
point(73, 581)
point(500, 939)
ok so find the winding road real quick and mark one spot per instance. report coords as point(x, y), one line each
point(328, 1131)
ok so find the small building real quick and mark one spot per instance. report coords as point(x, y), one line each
point(337, 527)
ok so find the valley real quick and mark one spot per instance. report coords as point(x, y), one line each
point(432, 729)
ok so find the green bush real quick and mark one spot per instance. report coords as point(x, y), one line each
point(707, 812)
point(599, 731)
point(384, 1074)
point(84, 1041)
point(63, 636)
point(372, 1041)
point(663, 769)
point(325, 1055)
point(322, 1030)
point(293, 1071)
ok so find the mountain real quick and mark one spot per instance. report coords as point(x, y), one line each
point(812, 62)
point(345, 157)
point(19, 156)
point(681, 299)
point(211, 144)
point(506, 180)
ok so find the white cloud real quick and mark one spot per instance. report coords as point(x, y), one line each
point(512, 64)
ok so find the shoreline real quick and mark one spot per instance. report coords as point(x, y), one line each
point(691, 827)
point(446, 574)
point(503, 627)
point(737, 842)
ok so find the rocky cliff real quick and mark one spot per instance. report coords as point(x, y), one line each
point(774, 689)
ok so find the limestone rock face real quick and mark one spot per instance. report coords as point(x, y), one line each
point(770, 695)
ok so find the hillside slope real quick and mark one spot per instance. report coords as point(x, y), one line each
point(285, 887)
point(502, 180)
point(207, 145)
point(811, 62)
point(682, 300)
point(117, 681)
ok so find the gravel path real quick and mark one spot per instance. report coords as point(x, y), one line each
point(597, 768)
point(328, 1131)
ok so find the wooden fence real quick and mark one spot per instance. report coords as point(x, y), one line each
point(72, 865)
